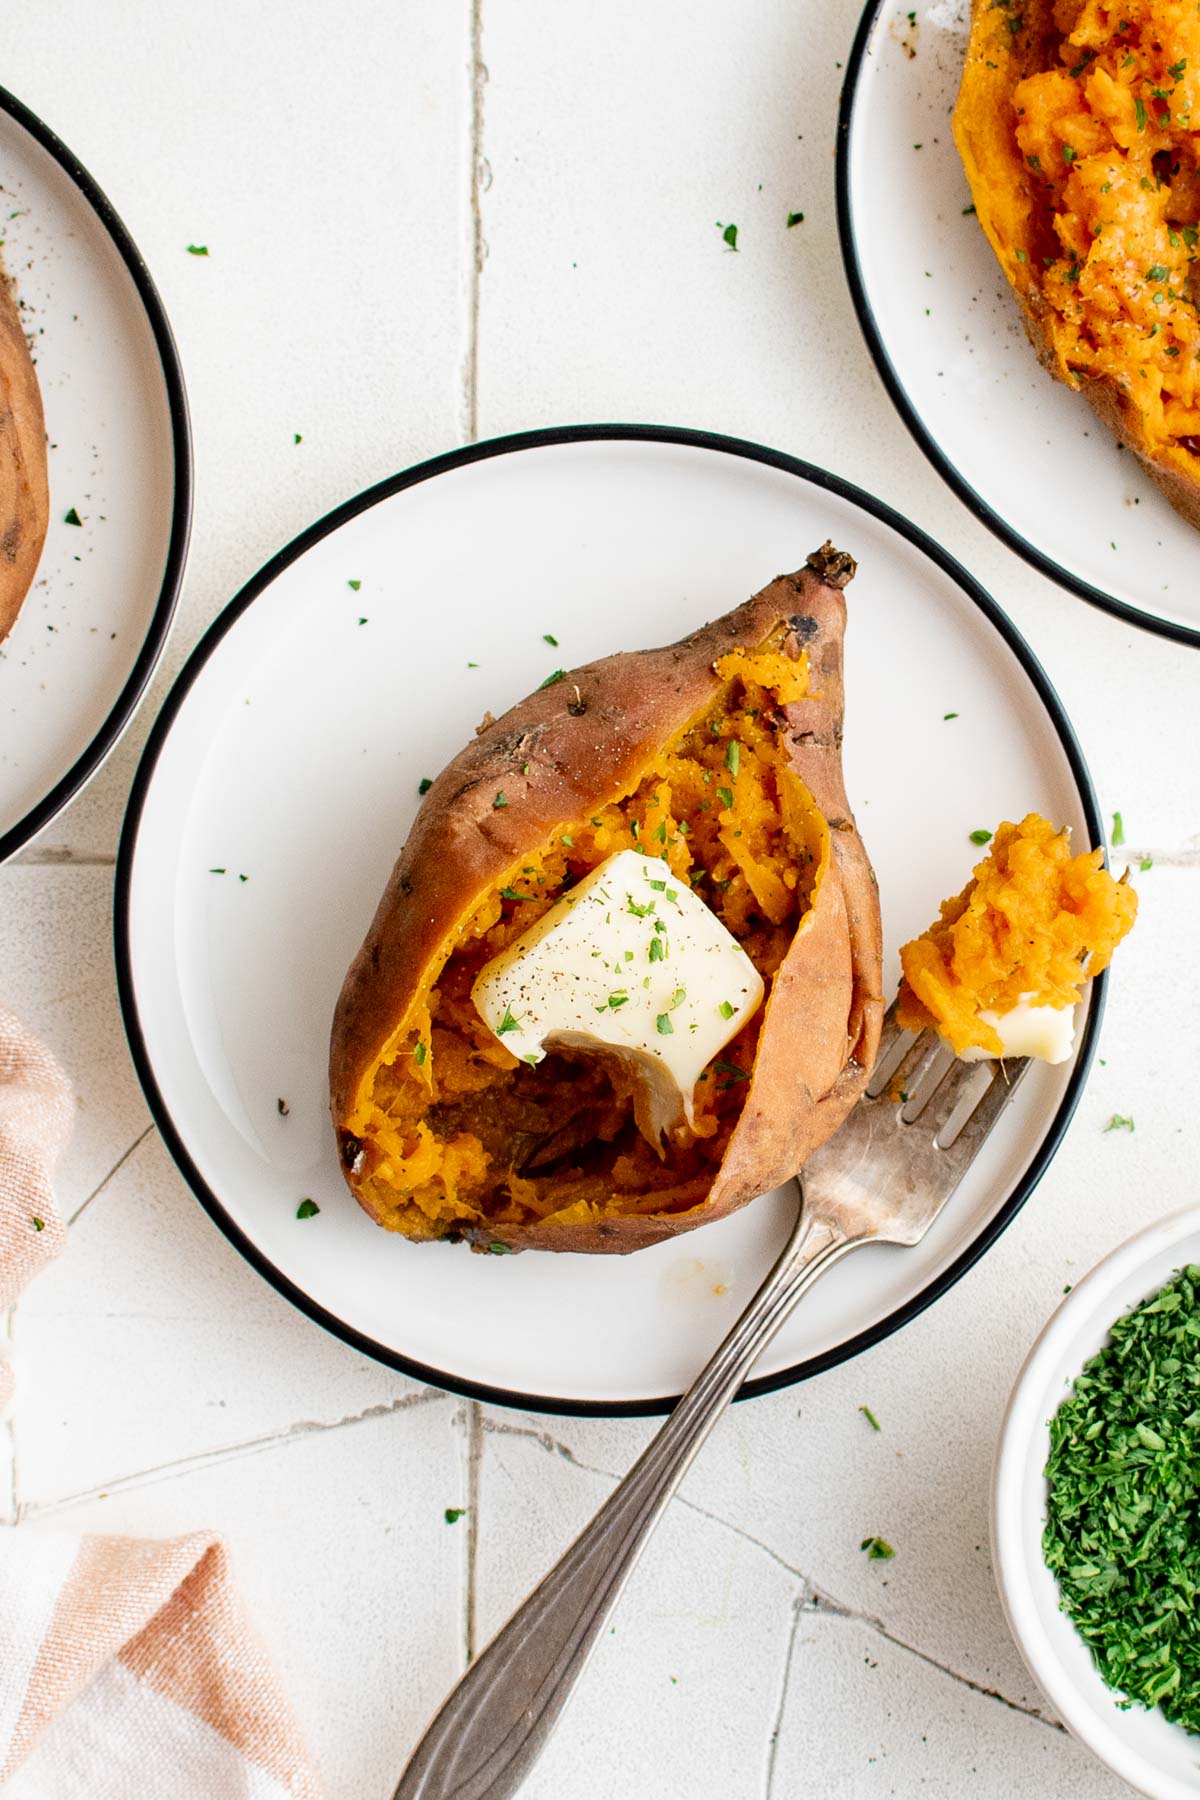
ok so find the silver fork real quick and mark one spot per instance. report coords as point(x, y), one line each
point(883, 1178)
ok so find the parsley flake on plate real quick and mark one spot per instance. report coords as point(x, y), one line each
point(307, 1209)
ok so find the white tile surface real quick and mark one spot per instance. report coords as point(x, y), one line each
point(329, 168)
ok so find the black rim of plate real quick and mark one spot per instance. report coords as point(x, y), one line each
point(949, 472)
point(125, 705)
point(176, 699)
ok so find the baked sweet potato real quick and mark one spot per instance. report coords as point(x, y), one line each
point(24, 491)
point(1078, 125)
point(714, 754)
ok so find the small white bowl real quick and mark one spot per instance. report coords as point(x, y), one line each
point(1154, 1757)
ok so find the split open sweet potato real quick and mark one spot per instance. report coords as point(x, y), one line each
point(1078, 124)
point(24, 491)
point(719, 755)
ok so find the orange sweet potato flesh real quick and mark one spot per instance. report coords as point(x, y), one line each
point(1034, 919)
point(441, 1132)
point(1078, 125)
point(24, 493)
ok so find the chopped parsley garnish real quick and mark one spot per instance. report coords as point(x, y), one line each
point(729, 236)
point(217, 871)
point(1139, 108)
point(307, 1209)
point(660, 831)
point(1119, 1122)
point(1175, 70)
point(197, 249)
point(733, 756)
point(558, 675)
point(869, 1416)
point(981, 837)
point(354, 584)
point(658, 949)
point(678, 998)
point(731, 1069)
point(507, 1023)
point(1118, 831)
point(795, 219)
point(420, 1053)
point(725, 796)
point(455, 1513)
point(726, 1010)
point(949, 715)
point(424, 785)
point(72, 518)
point(499, 803)
point(1157, 272)
point(499, 1249)
point(615, 1001)
point(1147, 862)
point(1069, 154)
point(296, 438)
point(878, 1549)
point(38, 1224)
point(660, 887)
point(567, 840)
point(639, 912)
point(512, 894)
point(664, 1026)
point(548, 637)
point(1120, 1533)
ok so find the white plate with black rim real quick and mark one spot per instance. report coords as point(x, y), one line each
point(281, 778)
point(1027, 456)
point(95, 620)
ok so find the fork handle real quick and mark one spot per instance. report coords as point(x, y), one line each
point(496, 1722)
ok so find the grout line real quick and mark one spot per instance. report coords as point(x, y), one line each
point(475, 248)
point(777, 1727)
point(826, 1606)
point(810, 1599)
point(209, 1459)
point(1161, 859)
point(61, 856)
point(475, 1429)
point(117, 1166)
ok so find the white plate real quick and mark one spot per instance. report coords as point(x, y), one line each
point(96, 618)
point(290, 751)
point(1027, 456)
point(1156, 1758)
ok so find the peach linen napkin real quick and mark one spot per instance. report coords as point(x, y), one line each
point(128, 1667)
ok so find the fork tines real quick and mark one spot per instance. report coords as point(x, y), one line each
point(913, 1068)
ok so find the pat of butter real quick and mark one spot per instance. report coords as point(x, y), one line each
point(633, 966)
point(1046, 1032)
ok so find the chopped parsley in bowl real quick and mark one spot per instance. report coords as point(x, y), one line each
point(1096, 1510)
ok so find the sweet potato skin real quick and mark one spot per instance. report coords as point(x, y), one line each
point(24, 489)
point(1003, 190)
point(581, 740)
